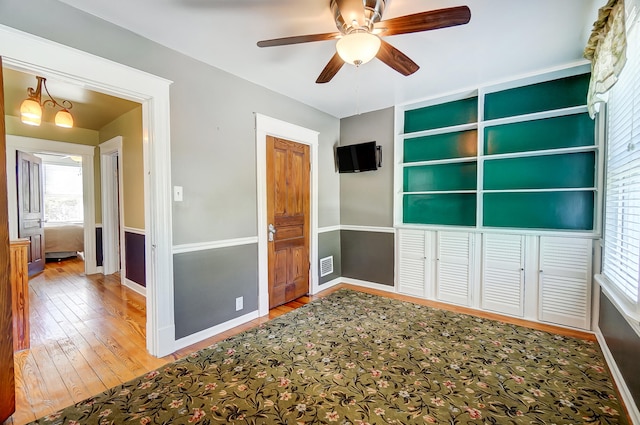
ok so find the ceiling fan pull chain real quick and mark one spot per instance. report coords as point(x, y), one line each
point(357, 87)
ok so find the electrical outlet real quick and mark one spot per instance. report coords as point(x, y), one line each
point(239, 303)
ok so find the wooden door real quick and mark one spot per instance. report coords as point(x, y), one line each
point(288, 170)
point(7, 382)
point(30, 213)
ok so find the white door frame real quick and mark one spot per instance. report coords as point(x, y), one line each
point(28, 53)
point(267, 126)
point(112, 207)
point(32, 145)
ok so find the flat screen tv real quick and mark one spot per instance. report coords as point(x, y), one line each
point(357, 158)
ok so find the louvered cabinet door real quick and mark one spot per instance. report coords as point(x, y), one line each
point(453, 267)
point(412, 262)
point(503, 273)
point(565, 281)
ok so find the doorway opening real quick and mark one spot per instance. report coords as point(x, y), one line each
point(32, 54)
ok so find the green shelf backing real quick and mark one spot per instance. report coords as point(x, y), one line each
point(445, 209)
point(541, 172)
point(551, 133)
point(444, 115)
point(539, 210)
point(549, 95)
point(456, 176)
point(460, 144)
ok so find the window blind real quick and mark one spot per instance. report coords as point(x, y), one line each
point(621, 260)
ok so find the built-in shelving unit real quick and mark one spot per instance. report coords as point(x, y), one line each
point(514, 155)
point(496, 196)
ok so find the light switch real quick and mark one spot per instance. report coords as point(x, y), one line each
point(177, 193)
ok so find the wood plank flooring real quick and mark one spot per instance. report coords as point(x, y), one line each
point(88, 335)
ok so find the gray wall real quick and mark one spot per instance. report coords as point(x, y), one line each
point(213, 154)
point(366, 199)
point(624, 344)
point(368, 256)
point(210, 282)
point(329, 244)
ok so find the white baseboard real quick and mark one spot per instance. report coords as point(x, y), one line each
point(213, 331)
point(328, 285)
point(135, 287)
point(366, 284)
point(626, 395)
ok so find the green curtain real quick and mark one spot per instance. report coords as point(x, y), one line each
point(606, 49)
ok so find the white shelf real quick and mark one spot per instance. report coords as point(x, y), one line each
point(554, 113)
point(543, 152)
point(554, 189)
point(440, 161)
point(441, 130)
point(440, 192)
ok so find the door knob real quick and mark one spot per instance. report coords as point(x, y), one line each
point(272, 231)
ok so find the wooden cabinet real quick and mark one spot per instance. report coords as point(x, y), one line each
point(19, 279)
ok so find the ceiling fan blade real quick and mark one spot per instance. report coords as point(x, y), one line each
point(396, 59)
point(298, 39)
point(331, 69)
point(425, 21)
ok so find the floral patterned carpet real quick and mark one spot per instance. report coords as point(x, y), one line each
point(357, 358)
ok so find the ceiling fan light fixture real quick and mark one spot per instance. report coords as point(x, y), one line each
point(30, 112)
point(358, 48)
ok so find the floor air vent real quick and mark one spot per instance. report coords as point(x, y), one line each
point(326, 266)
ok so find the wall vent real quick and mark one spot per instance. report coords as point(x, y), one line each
point(326, 266)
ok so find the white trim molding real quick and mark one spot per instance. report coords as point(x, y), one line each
point(329, 229)
point(215, 330)
point(111, 183)
point(367, 284)
point(28, 53)
point(624, 391)
point(134, 286)
point(135, 230)
point(267, 126)
point(376, 229)
point(329, 284)
point(203, 246)
point(32, 145)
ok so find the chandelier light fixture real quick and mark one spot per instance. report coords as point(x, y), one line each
point(31, 108)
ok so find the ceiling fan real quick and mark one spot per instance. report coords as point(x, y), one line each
point(359, 39)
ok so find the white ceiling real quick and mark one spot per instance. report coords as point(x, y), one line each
point(504, 38)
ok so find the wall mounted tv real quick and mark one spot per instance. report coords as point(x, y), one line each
point(359, 157)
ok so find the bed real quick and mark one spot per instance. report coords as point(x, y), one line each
point(63, 240)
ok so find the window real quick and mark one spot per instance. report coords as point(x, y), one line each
point(63, 193)
point(621, 259)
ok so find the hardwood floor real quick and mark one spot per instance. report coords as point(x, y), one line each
point(88, 335)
